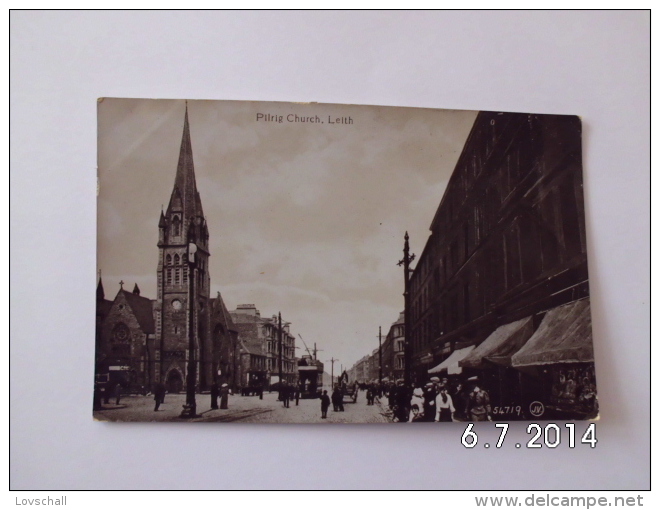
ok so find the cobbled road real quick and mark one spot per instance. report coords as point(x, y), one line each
point(242, 409)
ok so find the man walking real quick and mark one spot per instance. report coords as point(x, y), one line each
point(159, 395)
point(336, 397)
point(325, 403)
point(117, 393)
point(285, 394)
point(214, 395)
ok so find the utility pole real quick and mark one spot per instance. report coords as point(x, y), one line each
point(407, 345)
point(279, 320)
point(316, 350)
point(380, 356)
point(332, 372)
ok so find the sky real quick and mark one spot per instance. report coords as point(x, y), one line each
point(304, 218)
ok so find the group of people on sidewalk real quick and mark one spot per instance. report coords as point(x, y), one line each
point(438, 401)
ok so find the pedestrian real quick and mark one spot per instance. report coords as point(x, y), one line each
point(402, 400)
point(444, 406)
point(336, 398)
point(285, 394)
point(370, 396)
point(260, 391)
point(117, 393)
point(478, 408)
point(224, 396)
point(214, 394)
point(429, 402)
point(391, 396)
point(297, 393)
point(159, 395)
point(325, 403)
point(417, 406)
point(460, 400)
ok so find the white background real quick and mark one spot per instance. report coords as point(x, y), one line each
point(594, 64)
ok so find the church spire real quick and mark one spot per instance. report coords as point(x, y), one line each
point(185, 186)
point(100, 293)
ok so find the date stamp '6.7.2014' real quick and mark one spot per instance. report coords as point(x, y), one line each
point(548, 436)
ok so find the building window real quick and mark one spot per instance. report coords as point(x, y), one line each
point(176, 226)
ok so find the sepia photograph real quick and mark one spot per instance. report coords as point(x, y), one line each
point(270, 262)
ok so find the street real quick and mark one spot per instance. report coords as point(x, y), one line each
point(243, 409)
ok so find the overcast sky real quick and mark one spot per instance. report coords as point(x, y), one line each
point(306, 219)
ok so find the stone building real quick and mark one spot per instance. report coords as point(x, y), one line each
point(507, 251)
point(143, 341)
point(260, 348)
point(393, 355)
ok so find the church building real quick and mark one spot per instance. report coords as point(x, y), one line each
point(142, 341)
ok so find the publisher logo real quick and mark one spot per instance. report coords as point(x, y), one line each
point(536, 408)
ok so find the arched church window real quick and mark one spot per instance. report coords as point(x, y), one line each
point(169, 276)
point(184, 260)
point(176, 260)
point(121, 338)
point(168, 260)
point(176, 226)
point(177, 275)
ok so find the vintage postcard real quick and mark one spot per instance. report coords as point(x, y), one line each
point(321, 263)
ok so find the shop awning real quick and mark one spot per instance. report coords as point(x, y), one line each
point(564, 336)
point(503, 343)
point(451, 363)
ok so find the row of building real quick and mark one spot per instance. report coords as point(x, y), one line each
point(385, 362)
point(500, 292)
point(142, 341)
point(501, 289)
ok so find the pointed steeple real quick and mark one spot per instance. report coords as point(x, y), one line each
point(136, 290)
point(100, 293)
point(185, 185)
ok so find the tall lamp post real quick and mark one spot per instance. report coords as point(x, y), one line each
point(332, 371)
point(190, 407)
point(407, 345)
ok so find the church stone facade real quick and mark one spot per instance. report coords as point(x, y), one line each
point(142, 341)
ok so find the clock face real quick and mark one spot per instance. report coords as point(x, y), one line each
point(176, 304)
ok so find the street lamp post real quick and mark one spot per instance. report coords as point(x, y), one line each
point(190, 407)
point(332, 371)
point(407, 345)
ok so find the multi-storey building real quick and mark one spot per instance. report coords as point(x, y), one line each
point(507, 244)
point(393, 350)
point(260, 347)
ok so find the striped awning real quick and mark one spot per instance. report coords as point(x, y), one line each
point(503, 343)
point(564, 336)
point(451, 363)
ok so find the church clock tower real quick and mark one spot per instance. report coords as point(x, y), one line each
point(181, 284)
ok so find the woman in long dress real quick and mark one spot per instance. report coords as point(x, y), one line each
point(444, 406)
point(224, 396)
